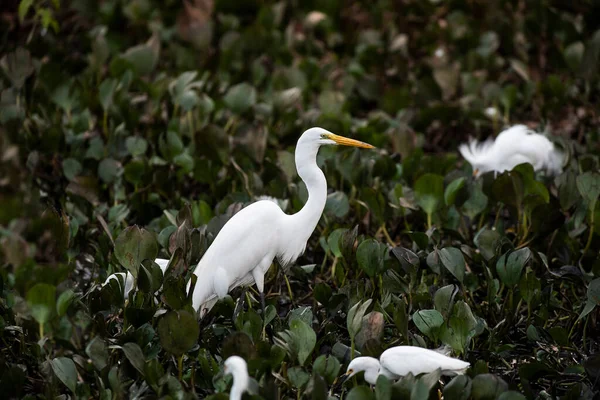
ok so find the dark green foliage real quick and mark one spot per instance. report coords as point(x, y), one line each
point(131, 130)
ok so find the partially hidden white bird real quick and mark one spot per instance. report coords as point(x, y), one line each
point(399, 361)
point(248, 243)
point(513, 146)
point(236, 366)
point(128, 277)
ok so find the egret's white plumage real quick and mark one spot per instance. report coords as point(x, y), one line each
point(128, 278)
point(399, 361)
point(246, 246)
point(236, 366)
point(513, 146)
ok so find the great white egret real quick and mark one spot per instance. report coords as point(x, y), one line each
point(513, 146)
point(128, 277)
point(399, 361)
point(246, 246)
point(236, 366)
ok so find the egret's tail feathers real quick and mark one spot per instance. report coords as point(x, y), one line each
point(461, 371)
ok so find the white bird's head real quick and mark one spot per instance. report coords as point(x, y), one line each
point(369, 365)
point(319, 137)
point(235, 366)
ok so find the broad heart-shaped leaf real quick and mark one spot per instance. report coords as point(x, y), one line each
point(589, 187)
point(443, 299)
point(240, 98)
point(428, 322)
point(298, 377)
point(458, 388)
point(106, 92)
point(370, 256)
point(487, 386)
point(144, 57)
point(178, 332)
point(510, 265)
point(17, 66)
point(355, 316)
point(460, 329)
point(360, 393)
point(134, 354)
point(328, 367)
point(96, 350)
point(337, 204)
point(65, 370)
point(511, 395)
point(299, 340)
point(333, 241)
point(593, 297)
point(454, 261)
point(383, 388)
point(453, 189)
point(133, 245)
point(64, 301)
point(136, 145)
point(42, 301)
point(429, 192)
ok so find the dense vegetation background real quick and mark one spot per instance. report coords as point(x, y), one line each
point(172, 115)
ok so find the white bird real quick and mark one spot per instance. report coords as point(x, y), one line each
point(513, 146)
point(399, 361)
point(236, 366)
point(246, 246)
point(127, 277)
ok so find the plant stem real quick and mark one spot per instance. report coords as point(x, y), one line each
point(105, 124)
point(387, 236)
point(428, 221)
point(41, 330)
point(180, 366)
point(590, 235)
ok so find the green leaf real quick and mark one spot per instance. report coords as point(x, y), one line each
point(71, 168)
point(134, 354)
point(136, 145)
point(106, 92)
point(355, 317)
point(370, 256)
point(360, 393)
point(429, 192)
point(453, 189)
point(333, 241)
point(65, 370)
point(337, 204)
point(109, 169)
point(460, 328)
point(144, 57)
point(573, 55)
point(454, 261)
point(589, 187)
point(298, 377)
point(428, 322)
point(444, 298)
point(240, 98)
point(65, 299)
point(510, 265)
point(24, 7)
point(307, 339)
point(96, 350)
point(328, 367)
point(511, 395)
point(134, 245)
point(383, 388)
point(487, 386)
point(529, 286)
point(178, 332)
point(458, 388)
point(42, 301)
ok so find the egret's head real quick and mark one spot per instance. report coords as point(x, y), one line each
point(369, 365)
point(320, 136)
point(235, 366)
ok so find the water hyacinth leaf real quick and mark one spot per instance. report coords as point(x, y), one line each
point(132, 246)
point(511, 395)
point(109, 170)
point(333, 241)
point(409, 261)
point(370, 256)
point(298, 377)
point(136, 145)
point(460, 329)
point(510, 265)
point(593, 297)
point(371, 330)
point(106, 92)
point(453, 260)
point(178, 332)
point(97, 351)
point(134, 354)
point(240, 98)
point(383, 388)
point(65, 299)
point(299, 340)
point(328, 367)
point(65, 370)
point(337, 204)
point(453, 189)
point(355, 316)
point(589, 188)
point(429, 192)
point(443, 299)
point(487, 386)
point(428, 322)
point(144, 57)
point(459, 388)
point(360, 393)
point(71, 168)
point(41, 299)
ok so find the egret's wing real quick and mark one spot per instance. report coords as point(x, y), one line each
point(402, 360)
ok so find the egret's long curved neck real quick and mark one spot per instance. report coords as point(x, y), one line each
point(306, 220)
point(240, 383)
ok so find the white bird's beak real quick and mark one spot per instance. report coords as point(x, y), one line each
point(475, 172)
point(344, 141)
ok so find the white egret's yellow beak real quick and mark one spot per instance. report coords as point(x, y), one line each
point(344, 141)
point(475, 172)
